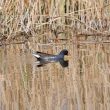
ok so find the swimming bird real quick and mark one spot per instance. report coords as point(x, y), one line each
point(44, 58)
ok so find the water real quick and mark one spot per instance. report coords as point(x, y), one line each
point(83, 85)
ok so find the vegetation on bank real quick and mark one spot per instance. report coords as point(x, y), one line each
point(48, 19)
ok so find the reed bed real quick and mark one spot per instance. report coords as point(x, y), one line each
point(53, 18)
point(80, 26)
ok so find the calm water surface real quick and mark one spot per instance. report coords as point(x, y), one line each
point(85, 84)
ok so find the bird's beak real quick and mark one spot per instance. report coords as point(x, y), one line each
point(66, 57)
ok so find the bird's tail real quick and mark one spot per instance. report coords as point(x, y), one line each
point(36, 55)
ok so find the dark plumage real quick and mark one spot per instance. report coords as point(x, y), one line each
point(44, 58)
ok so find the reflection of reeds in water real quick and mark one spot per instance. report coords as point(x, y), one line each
point(83, 84)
